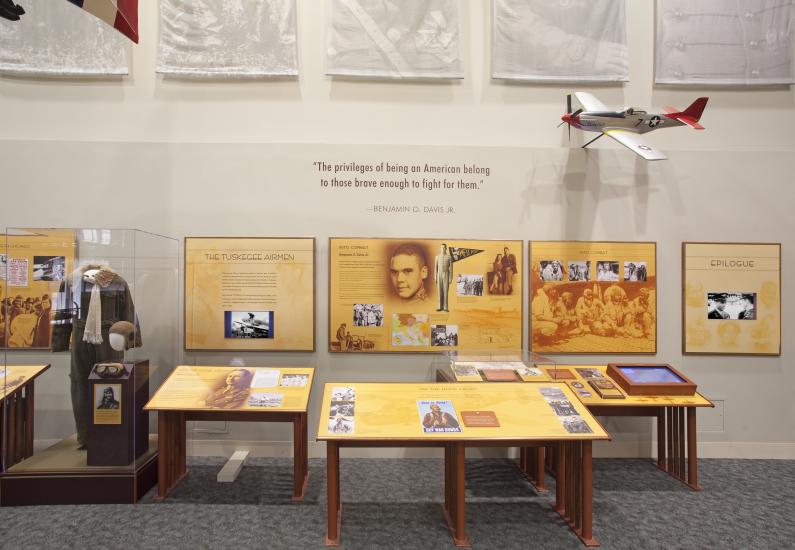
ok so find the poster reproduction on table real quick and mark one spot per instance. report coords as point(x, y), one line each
point(731, 298)
point(593, 297)
point(424, 295)
point(249, 294)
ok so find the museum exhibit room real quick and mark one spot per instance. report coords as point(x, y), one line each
point(397, 274)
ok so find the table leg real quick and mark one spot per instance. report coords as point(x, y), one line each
point(560, 480)
point(670, 431)
point(587, 495)
point(171, 452)
point(682, 450)
point(692, 454)
point(448, 483)
point(459, 533)
point(661, 438)
point(540, 482)
point(300, 450)
point(334, 519)
point(11, 434)
point(29, 414)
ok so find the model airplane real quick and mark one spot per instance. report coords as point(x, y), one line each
point(627, 126)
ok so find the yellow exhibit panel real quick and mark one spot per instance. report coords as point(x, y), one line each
point(424, 295)
point(250, 294)
point(593, 297)
point(234, 388)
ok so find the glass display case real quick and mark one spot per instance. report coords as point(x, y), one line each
point(90, 329)
point(492, 366)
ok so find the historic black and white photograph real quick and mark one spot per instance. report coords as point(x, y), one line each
point(551, 270)
point(49, 268)
point(589, 373)
point(465, 369)
point(344, 408)
point(736, 306)
point(635, 271)
point(107, 397)
point(368, 315)
point(563, 407)
point(262, 399)
point(469, 285)
point(444, 335)
point(294, 380)
point(575, 425)
point(343, 393)
point(579, 271)
point(248, 324)
point(340, 425)
point(607, 271)
point(552, 393)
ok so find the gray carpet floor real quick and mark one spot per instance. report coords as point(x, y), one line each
point(396, 504)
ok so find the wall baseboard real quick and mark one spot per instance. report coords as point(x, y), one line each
point(613, 449)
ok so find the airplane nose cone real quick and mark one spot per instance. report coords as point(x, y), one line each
point(566, 118)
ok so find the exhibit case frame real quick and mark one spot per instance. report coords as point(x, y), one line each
point(90, 329)
point(519, 365)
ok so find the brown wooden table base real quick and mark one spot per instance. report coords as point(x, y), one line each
point(677, 453)
point(573, 500)
point(454, 508)
point(172, 444)
point(574, 488)
point(16, 432)
point(531, 465)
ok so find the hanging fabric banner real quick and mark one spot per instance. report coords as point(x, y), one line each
point(391, 39)
point(55, 38)
point(716, 42)
point(571, 41)
point(227, 38)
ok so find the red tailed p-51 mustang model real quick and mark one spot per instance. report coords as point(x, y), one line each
point(627, 126)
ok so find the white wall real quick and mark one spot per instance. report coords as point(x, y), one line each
point(191, 158)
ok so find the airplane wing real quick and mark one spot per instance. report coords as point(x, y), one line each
point(589, 102)
point(633, 141)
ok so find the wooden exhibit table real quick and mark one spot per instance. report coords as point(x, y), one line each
point(17, 393)
point(677, 453)
point(231, 394)
point(456, 416)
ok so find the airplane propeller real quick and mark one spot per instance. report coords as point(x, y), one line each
point(569, 115)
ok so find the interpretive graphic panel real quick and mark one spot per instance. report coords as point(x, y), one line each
point(593, 297)
point(234, 388)
point(421, 295)
point(249, 294)
point(33, 268)
point(731, 298)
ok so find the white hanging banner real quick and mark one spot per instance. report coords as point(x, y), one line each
point(716, 42)
point(394, 38)
point(227, 38)
point(56, 38)
point(560, 40)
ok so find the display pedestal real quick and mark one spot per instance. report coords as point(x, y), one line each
point(59, 475)
point(119, 434)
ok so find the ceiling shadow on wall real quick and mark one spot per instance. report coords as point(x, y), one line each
point(64, 88)
point(582, 183)
point(185, 88)
point(393, 90)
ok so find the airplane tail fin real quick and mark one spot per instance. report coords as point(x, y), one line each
point(692, 114)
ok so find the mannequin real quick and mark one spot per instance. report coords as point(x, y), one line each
point(104, 299)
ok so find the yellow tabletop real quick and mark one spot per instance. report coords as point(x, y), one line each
point(16, 376)
point(255, 389)
point(582, 376)
point(427, 412)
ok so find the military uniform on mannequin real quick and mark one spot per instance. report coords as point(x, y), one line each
point(104, 299)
